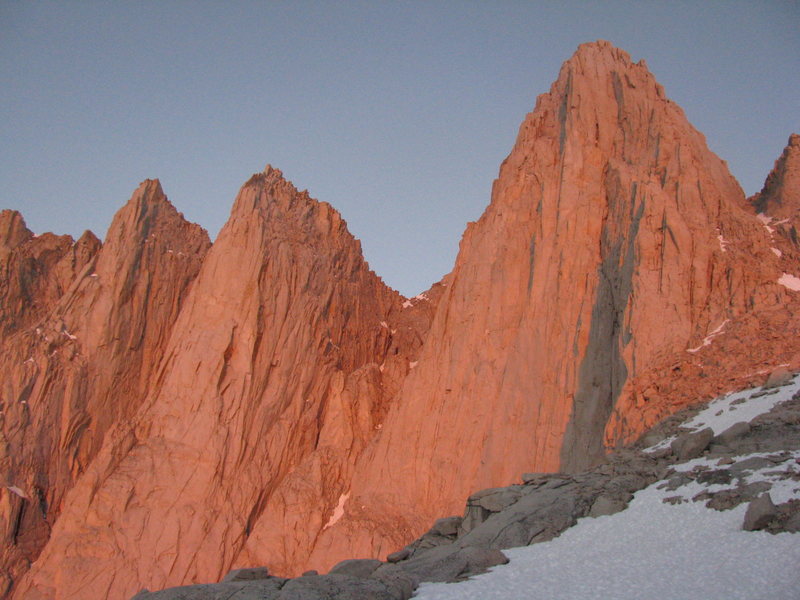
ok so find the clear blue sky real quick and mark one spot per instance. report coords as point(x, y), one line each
point(397, 113)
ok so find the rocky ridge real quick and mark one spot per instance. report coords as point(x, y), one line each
point(270, 396)
point(79, 352)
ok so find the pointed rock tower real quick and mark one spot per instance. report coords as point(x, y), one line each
point(614, 249)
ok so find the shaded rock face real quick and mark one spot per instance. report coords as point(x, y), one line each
point(269, 401)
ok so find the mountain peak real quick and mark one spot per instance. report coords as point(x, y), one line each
point(13, 231)
point(780, 196)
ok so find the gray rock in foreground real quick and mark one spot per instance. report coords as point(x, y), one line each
point(249, 574)
point(759, 513)
point(692, 445)
point(356, 567)
point(269, 589)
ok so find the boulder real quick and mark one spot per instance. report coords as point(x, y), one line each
point(335, 587)
point(398, 581)
point(448, 564)
point(777, 378)
point(538, 516)
point(732, 433)
point(497, 499)
point(248, 574)
point(356, 567)
point(401, 554)
point(448, 526)
point(692, 445)
point(759, 513)
point(606, 505)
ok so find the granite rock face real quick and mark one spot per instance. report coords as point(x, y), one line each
point(173, 410)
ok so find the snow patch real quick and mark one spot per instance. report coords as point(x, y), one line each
point(765, 221)
point(726, 410)
point(741, 406)
point(384, 324)
point(776, 252)
point(710, 337)
point(17, 491)
point(790, 281)
point(413, 364)
point(412, 301)
point(338, 512)
point(723, 243)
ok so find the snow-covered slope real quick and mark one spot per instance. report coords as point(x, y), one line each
point(667, 544)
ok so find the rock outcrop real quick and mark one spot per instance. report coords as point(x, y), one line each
point(269, 401)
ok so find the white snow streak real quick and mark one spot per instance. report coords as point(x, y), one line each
point(418, 298)
point(776, 252)
point(723, 243)
point(338, 512)
point(709, 338)
point(765, 220)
